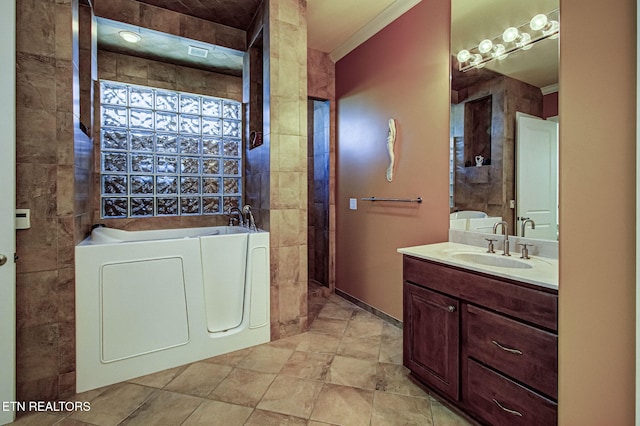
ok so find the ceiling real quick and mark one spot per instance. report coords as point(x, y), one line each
point(338, 26)
point(168, 48)
point(232, 13)
point(333, 26)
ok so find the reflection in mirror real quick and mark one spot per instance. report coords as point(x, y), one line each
point(504, 116)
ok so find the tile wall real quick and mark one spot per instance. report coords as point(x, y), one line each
point(285, 116)
point(489, 188)
point(47, 113)
point(318, 191)
point(127, 69)
point(54, 171)
point(321, 77)
point(166, 21)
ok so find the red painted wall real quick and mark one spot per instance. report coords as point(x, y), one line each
point(402, 73)
point(550, 105)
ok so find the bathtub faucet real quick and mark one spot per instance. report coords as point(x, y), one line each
point(251, 223)
point(237, 211)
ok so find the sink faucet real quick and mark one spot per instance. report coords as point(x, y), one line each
point(251, 221)
point(237, 211)
point(506, 235)
point(526, 220)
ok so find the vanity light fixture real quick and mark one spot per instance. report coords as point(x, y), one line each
point(524, 37)
point(130, 36)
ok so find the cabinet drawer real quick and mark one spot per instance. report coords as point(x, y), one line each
point(526, 353)
point(510, 297)
point(499, 401)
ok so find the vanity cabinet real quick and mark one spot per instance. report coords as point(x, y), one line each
point(488, 345)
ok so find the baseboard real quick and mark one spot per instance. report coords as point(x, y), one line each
point(386, 317)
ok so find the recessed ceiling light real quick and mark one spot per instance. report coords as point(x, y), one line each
point(129, 36)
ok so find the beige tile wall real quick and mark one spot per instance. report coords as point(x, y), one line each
point(286, 115)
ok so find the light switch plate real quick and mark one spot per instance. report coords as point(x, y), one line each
point(353, 203)
point(23, 218)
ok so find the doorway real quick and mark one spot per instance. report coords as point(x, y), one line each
point(318, 132)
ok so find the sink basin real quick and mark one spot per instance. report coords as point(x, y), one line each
point(489, 259)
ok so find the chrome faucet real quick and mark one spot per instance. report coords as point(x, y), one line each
point(506, 235)
point(526, 220)
point(251, 223)
point(236, 210)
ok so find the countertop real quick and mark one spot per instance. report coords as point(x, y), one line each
point(543, 271)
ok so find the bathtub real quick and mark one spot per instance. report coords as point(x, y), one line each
point(151, 300)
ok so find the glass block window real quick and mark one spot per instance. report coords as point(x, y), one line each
point(166, 153)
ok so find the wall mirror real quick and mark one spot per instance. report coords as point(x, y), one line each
point(504, 119)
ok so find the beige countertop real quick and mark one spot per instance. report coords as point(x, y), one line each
point(538, 270)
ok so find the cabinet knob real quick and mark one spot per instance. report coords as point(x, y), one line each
point(451, 308)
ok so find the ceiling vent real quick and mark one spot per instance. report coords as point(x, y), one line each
point(198, 52)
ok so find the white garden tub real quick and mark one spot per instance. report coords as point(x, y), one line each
point(152, 300)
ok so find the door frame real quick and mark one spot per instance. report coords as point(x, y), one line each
point(7, 208)
point(637, 218)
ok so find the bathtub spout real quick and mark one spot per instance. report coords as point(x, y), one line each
point(251, 223)
point(237, 211)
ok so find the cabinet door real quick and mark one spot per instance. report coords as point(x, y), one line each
point(431, 338)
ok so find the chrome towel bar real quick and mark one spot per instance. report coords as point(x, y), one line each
point(399, 200)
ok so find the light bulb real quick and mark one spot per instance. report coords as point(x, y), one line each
point(485, 46)
point(523, 42)
point(129, 36)
point(551, 28)
point(538, 22)
point(498, 51)
point(510, 34)
point(475, 60)
point(463, 56)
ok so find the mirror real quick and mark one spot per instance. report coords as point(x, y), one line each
point(504, 119)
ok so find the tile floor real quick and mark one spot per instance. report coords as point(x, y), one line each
point(346, 370)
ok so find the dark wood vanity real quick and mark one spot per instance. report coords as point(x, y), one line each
point(487, 345)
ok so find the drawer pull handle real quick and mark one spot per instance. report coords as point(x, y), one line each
point(514, 412)
point(513, 351)
point(451, 308)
